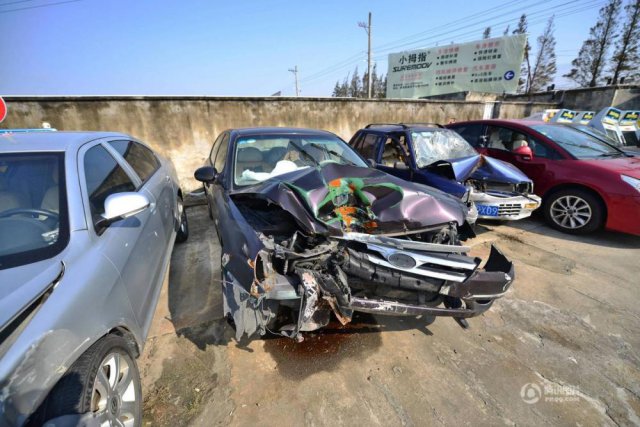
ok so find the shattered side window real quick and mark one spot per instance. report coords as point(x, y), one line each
point(431, 146)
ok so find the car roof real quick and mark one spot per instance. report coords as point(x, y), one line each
point(394, 127)
point(50, 141)
point(279, 130)
point(521, 122)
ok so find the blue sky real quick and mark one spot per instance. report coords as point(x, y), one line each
point(244, 48)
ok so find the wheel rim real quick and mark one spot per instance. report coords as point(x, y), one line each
point(571, 212)
point(114, 400)
point(183, 216)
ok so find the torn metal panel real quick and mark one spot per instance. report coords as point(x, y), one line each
point(479, 167)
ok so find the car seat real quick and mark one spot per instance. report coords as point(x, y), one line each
point(11, 199)
point(495, 141)
point(518, 140)
point(274, 155)
point(249, 158)
point(51, 199)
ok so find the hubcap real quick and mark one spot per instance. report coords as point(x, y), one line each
point(183, 217)
point(114, 400)
point(571, 212)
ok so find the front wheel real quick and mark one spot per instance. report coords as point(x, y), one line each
point(105, 382)
point(574, 211)
point(183, 228)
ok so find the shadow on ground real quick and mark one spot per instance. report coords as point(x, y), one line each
point(323, 350)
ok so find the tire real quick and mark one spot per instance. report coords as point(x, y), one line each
point(574, 211)
point(209, 210)
point(80, 391)
point(183, 228)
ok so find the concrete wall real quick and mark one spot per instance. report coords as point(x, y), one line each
point(183, 128)
point(625, 97)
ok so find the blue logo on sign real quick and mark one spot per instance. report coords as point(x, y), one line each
point(509, 75)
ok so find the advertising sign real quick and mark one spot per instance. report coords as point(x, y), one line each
point(564, 116)
point(489, 65)
point(629, 118)
point(612, 116)
point(3, 109)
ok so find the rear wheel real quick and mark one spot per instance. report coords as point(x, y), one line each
point(574, 211)
point(104, 381)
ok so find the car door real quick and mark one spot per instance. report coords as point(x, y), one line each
point(502, 140)
point(216, 188)
point(134, 245)
point(155, 181)
point(367, 145)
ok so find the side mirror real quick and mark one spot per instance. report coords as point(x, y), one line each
point(121, 205)
point(372, 163)
point(400, 165)
point(206, 174)
point(524, 152)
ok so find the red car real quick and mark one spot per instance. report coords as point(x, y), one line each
point(585, 184)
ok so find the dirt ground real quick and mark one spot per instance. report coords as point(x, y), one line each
point(562, 347)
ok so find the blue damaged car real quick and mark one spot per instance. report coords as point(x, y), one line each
point(432, 155)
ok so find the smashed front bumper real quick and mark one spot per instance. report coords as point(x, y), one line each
point(505, 206)
point(359, 272)
point(465, 289)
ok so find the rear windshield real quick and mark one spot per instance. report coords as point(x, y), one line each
point(34, 223)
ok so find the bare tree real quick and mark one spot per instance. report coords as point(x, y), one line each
point(487, 33)
point(626, 58)
point(525, 68)
point(544, 68)
point(589, 65)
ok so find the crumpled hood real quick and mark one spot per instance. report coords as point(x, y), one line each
point(484, 168)
point(334, 198)
point(22, 285)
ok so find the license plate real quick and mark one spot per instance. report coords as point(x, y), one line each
point(487, 210)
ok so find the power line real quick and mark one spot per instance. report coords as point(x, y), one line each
point(38, 6)
point(349, 61)
point(15, 2)
point(565, 9)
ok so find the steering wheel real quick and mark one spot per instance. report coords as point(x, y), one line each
point(35, 213)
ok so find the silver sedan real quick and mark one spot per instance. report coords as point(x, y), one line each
point(87, 226)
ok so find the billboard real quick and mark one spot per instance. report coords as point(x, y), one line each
point(489, 65)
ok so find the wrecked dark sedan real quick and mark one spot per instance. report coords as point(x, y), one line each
point(431, 155)
point(307, 230)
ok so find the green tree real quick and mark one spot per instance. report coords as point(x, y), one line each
point(356, 87)
point(525, 68)
point(589, 65)
point(625, 58)
point(544, 68)
point(487, 33)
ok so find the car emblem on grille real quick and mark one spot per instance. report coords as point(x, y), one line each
point(401, 260)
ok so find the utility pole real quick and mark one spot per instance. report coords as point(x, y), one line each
point(294, 70)
point(367, 28)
